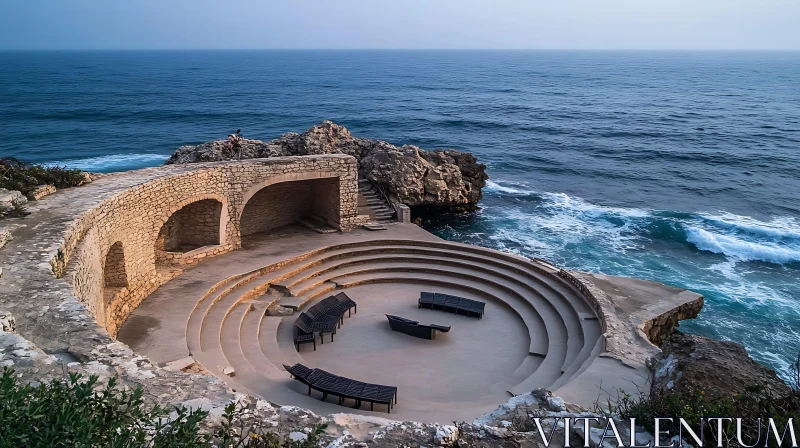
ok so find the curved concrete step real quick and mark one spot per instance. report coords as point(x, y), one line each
point(581, 367)
point(521, 266)
point(305, 279)
point(573, 327)
point(251, 346)
point(231, 290)
point(341, 259)
point(229, 340)
point(574, 340)
point(327, 263)
point(210, 323)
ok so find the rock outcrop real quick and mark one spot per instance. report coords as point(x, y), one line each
point(690, 364)
point(446, 179)
point(8, 199)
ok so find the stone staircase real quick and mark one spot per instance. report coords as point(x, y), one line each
point(370, 202)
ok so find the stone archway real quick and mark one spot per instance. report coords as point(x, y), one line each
point(114, 272)
point(196, 225)
point(115, 281)
point(280, 204)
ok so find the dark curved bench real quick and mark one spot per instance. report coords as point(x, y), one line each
point(344, 388)
point(413, 328)
point(451, 304)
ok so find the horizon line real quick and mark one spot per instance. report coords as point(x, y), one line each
point(406, 49)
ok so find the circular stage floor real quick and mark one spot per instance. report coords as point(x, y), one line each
point(464, 367)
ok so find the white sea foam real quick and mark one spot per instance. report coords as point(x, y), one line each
point(780, 227)
point(114, 162)
point(740, 249)
point(562, 201)
point(503, 187)
point(576, 205)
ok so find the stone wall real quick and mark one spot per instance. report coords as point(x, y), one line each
point(195, 225)
point(660, 328)
point(325, 197)
point(275, 206)
point(284, 203)
point(160, 225)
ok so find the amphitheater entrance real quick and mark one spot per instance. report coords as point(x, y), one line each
point(311, 203)
point(193, 227)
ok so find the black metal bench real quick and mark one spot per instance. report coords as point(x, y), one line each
point(413, 328)
point(345, 301)
point(324, 317)
point(344, 388)
point(451, 304)
point(303, 334)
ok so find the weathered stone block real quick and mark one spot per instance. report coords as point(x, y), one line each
point(41, 191)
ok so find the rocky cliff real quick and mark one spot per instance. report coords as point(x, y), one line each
point(446, 179)
point(691, 364)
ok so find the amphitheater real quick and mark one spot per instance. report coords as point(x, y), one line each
point(203, 268)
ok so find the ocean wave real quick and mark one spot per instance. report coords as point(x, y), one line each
point(778, 227)
point(562, 202)
point(111, 163)
point(495, 187)
point(740, 249)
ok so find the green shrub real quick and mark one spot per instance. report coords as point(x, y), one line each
point(23, 177)
point(749, 406)
point(78, 413)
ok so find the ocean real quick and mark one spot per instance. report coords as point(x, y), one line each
point(678, 167)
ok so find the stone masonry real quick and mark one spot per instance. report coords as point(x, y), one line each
point(284, 203)
point(175, 220)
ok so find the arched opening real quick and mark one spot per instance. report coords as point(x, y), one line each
point(114, 274)
point(313, 203)
point(194, 226)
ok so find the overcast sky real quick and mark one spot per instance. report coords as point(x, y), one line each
point(400, 24)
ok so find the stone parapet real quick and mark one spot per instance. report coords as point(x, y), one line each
point(41, 191)
point(175, 217)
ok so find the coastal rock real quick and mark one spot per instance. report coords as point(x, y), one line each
point(5, 237)
point(41, 191)
point(7, 322)
point(446, 179)
point(216, 151)
point(690, 364)
point(9, 197)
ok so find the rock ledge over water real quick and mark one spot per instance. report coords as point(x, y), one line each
point(446, 179)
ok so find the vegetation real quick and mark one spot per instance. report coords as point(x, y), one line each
point(696, 410)
point(522, 420)
point(79, 412)
point(25, 177)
